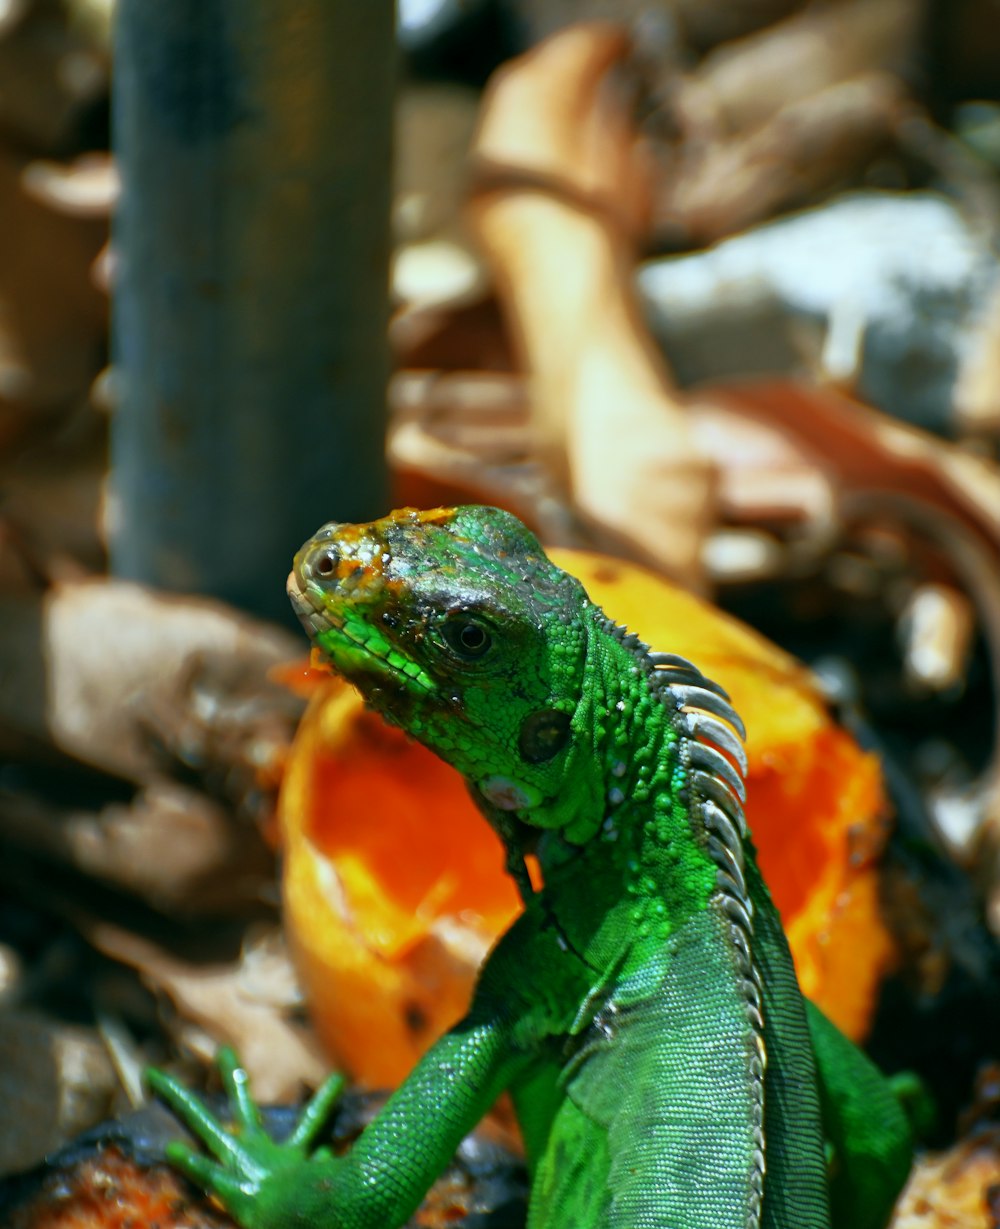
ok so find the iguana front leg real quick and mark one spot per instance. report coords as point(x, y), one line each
point(382, 1180)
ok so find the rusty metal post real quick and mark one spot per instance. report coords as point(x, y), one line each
point(252, 247)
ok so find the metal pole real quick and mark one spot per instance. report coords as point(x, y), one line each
point(252, 246)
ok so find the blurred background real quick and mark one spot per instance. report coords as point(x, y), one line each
point(708, 287)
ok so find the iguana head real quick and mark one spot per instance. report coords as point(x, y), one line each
point(454, 625)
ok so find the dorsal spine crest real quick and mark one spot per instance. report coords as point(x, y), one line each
point(710, 750)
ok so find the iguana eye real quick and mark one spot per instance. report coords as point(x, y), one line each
point(467, 637)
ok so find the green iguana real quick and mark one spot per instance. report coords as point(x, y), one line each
point(643, 1010)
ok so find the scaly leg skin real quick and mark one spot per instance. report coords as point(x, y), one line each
point(869, 1122)
point(381, 1179)
point(247, 1158)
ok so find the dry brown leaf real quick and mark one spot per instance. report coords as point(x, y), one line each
point(560, 190)
point(742, 84)
point(51, 508)
point(868, 451)
point(954, 1189)
point(461, 436)
point(52, 318)
point(52, 72)
point(123, 678)
point(169, 693)
point(717, 187)
point(170, 846)
point(248, 1004)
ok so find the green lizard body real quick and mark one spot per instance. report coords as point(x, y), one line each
point(643, 1011)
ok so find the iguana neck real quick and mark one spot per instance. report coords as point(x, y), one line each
point(650, 826)
point(623, 738)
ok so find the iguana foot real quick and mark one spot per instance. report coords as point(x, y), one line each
point(249, 1171)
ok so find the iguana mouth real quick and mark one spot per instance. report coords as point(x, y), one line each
point(354, 644)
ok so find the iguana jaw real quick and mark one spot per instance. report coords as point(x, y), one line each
point(341, 641)
point(335, 611)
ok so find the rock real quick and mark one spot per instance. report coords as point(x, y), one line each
point(55, 1081)
point(884, 291)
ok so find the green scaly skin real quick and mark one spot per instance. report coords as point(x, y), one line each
point(643, 1011)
